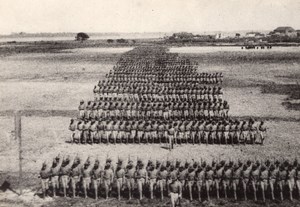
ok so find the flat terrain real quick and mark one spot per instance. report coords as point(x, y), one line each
point(49, 84)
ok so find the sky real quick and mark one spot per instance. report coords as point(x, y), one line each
point(34, 16)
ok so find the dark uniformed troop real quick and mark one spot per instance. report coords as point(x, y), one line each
point(152, 96)
point(192, 179)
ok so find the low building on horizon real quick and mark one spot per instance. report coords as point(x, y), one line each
point(284, 31)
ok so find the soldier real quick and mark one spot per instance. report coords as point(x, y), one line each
point(152, 174)
point(209, 176)
point(298, 178)
point(262, 130)
point(86, 176)
point(108, 177)
point(246, 173)
point(81, 109)
point(96, 177)
point(175, 192)
point(218, 175)
point(45, 174)
point(273, 177)
point(65, 171)
point(200, 177)
point(75, 175)
point(291, 176)
point(162, 179)
point(191, 174)
point(55, 174)
point(86, 132)
point(213, 132)
point(282, 178)
point(120, 176)
point(244, 132)
point(72, 128)
point(129, 175)
point(140, 131)
point(264, 177)
point(227, 178)
point(255, 176)
point(171, 136)
point(93, 132)
point(141, 176)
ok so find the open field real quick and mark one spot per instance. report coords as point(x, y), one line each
point(257, 84)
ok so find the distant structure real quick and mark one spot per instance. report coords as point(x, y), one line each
point(190, 37)
point(81, 36)
point(284, 31)
point(255, 34)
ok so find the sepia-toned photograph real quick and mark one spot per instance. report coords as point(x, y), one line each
point(149, 103)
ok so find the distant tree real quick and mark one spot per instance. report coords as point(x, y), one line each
point(110, 41)
point(238, 35)
point(81, 36)
point(133, 41)
point(122, 40)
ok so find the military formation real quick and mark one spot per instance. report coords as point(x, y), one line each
point(201, 180)
point(152, 96)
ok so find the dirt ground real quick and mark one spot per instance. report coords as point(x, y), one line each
point(256, 84)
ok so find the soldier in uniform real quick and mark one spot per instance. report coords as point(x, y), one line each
point(96, 177)
point(291, 180)
point(81, 109)
point(191, 174)
point(209, 176)
point(55, 174)
point(152, 174)
point(120, 176)
point(219, 171)
point(75, 175)
point(227, 178)
point(262, 130)
point(298, 178)
point(175, 192)
point(162, 179)
point(255, 173)
point(264, 178)
point(129, 175)
point(86, 176)
point(200, 177)
point(141, 177)
point(282, 178)
point(108, 178)
point(236, 177)
point(273, 177)
point(45, 174)
point(65, 171)
point(72, 128)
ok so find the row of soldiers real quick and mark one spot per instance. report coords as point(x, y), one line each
point(145, 88)
point(176, 178)
point(199, 78)
point(98, 110)
point(153, 98)
point(172, 132)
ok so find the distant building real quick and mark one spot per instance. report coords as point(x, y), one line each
point(255, 34)
point(220, 36)
point(284, 31)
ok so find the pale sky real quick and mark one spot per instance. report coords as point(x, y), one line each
point(146, 15)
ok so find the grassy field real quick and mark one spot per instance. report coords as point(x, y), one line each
point(50, 83)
